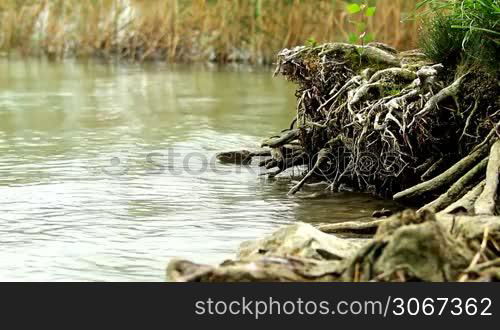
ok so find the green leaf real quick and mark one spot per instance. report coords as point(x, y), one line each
point(369, 37)
point(353, 37)
point(311, 42)
point(370, 11)
point(353, 8)
point(473, 28)
point(258, 7)
point(422, 3)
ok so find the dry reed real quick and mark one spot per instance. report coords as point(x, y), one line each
point(188, 30)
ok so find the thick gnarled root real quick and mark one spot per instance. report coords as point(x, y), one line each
point(457, 189)
point(448, 177)
point(485, 203)
point(465, 205)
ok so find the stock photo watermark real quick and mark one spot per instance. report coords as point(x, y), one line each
point(174, 163)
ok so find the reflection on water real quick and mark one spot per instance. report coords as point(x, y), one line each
point(108, 171)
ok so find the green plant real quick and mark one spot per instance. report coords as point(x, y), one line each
point(393, 92)
point(462, 31)
point(311, 42)
point(361, 11)
point(440, 41)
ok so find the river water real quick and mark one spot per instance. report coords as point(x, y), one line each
point(108, 171)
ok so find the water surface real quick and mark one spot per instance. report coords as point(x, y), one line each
point(108, 171)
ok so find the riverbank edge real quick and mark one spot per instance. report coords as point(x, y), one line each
point(404, 247)
point(453, 236)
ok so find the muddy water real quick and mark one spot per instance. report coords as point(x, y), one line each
point(108, 171)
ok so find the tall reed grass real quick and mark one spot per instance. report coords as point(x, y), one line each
point(189, 30)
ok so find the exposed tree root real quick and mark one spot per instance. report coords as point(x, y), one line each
point(389, 123)
point(433, 170)
point(465, 205)
point(458, 189)
point(446, 178)
point(352, 227)
point(433, 102)
point(485, 203)
point(288, 136)
point(322, 157)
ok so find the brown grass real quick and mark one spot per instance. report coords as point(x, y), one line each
point(188, 30)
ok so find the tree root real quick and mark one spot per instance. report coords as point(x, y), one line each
point(458, 189)
point(465, 205)
point(288, 163)
point(400, 74)
point(446, 178)
point(352, 227)
point(378, 55)
point(485, 203)
point(433, 170)
point(450, 91)
point(379, 107)
point(322, 157)
point(288, 136)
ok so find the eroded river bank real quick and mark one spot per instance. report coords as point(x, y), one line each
point(396, 124)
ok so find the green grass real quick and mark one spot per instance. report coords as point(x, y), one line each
point(462, 31)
